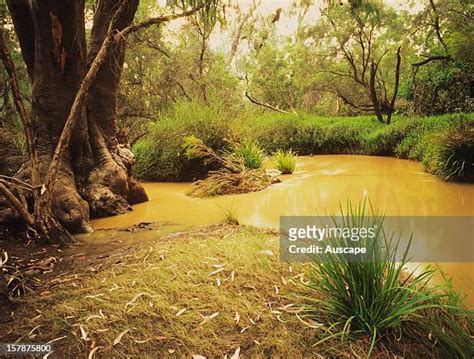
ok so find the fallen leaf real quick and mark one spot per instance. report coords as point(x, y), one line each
point(83, 333)
point(180, 312)
point(216, 271)
point(206, 319)
point(136, 297)
point(236, 354)
point(92, 352)
point(237, 317)
point(119, 337)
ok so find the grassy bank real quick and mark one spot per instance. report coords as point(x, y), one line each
point(211, 292)
point(444, 144)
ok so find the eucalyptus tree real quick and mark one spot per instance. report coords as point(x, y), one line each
point(76, 166)
point(358, 48)
point(443, 76)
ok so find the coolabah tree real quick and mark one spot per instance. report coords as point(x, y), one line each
point(77, 168)
point(358, 45)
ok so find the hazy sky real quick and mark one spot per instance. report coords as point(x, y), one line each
point(287, 24)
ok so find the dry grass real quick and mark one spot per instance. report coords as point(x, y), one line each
point(239, 171)
point(212, 292)
point(226, 182)
point(205, 293)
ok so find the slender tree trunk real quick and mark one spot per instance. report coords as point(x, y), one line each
point(109, 187)
point(373, 93)
point(391, 108)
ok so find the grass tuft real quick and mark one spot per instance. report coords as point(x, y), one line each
point(230, 216)
point(452, 154)
point(285, 161)
point(249, 152)
point(233, 176)
point(377, 296)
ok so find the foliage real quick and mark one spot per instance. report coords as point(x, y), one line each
point(442, 76)
point(374, 296)
point(160, 155)
point(250, 153)
point(285, 161)
point(408, 137)
point(452, 154)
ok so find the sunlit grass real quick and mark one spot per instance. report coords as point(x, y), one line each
point(285, 161)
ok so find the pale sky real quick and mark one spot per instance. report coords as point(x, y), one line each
point(287, 24)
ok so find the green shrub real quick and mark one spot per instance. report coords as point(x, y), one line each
point(250, 153)
point(451, 155)
point(285, 161)
point(374, 296)
point(280, 132)
point(385, 140)
point(160, 156)
point(341, 139)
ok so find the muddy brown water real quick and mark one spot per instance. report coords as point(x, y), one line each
point(318, 187)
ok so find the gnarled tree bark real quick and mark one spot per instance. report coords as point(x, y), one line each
point(75, 157)
point(91, 163)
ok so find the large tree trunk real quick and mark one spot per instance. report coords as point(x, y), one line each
point(110, 188)
point(94, 172)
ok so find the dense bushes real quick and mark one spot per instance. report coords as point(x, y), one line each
point(442, 143)
point(451, 155)
point(160, 155)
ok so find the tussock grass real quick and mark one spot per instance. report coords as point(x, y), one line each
point(249, 152)
point(226, 182)
point(285, 161)
point(452, 154)
point(230, 216)
point(378, 296)
point(234, 176)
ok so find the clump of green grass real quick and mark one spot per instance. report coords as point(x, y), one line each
point(375, 296)
point(230, 216)
point(249, 152)
point(451, 156)
point(285, 161)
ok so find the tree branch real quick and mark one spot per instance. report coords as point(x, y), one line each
point(158, 20)
point(264, 104)
point(20, 107)
point(431, 58)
